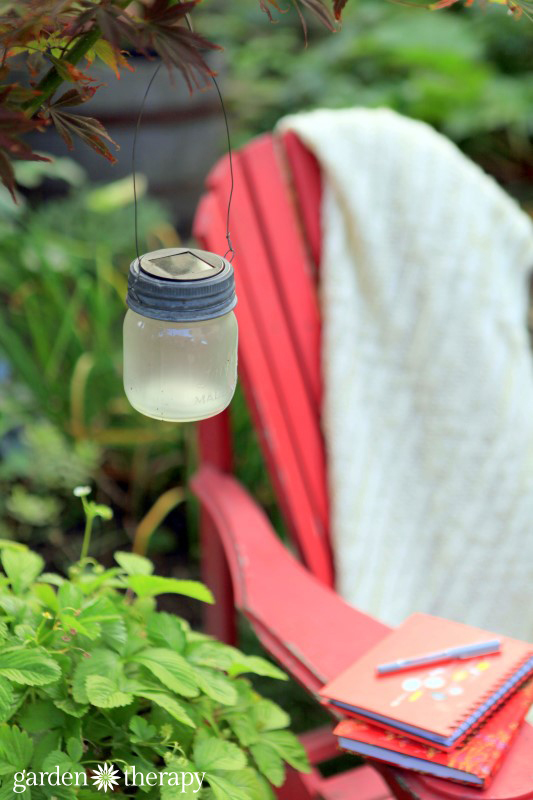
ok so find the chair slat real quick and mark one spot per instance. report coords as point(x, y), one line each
point(307, 184)
point(288, 257)
point(271, 318)
point(269, 415)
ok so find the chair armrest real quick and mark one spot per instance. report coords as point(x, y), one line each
point(304, 624)
point(314, 634)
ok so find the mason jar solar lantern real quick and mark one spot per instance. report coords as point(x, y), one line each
point(180, 335)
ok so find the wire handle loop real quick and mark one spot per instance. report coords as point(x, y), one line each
point(230, 251)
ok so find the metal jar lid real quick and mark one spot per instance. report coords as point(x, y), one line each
point(181, 285)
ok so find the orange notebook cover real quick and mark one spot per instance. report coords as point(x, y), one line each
point(475, 762)
point(439, 704)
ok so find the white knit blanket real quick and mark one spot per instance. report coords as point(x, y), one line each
point(428, 408)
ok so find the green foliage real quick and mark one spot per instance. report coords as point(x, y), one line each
point(64, 419)
point(92, 672)
point(50, 40)
point(466, 71)
point(63, 274)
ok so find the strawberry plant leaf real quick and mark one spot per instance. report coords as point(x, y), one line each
point(153, 585)
point(28, 666)
point(134, 564)
point(171, 669)
point(210, 753)
point(104, 693)
point(21, 567)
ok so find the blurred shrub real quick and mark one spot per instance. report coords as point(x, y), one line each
point(64, 419)
point(466, 71)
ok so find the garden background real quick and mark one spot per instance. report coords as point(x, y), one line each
point(65, 250)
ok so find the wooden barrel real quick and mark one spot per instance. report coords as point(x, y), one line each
point(181, 135)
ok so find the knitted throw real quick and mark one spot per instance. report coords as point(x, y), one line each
point(428, 407)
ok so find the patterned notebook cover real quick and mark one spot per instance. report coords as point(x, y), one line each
point(439, 704)
point(475, 762)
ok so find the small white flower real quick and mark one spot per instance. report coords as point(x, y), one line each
point(81, 491)
point(105, 777)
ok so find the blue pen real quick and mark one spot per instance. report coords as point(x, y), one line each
point(463, 651)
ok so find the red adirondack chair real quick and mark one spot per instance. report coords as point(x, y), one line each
point(291, 603)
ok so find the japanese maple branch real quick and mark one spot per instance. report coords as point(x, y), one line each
point(53, 80)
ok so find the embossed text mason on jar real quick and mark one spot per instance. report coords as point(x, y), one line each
point(180, 335)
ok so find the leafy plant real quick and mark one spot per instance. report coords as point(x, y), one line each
point(64, 419)
point(91, 673)
point(44, 36)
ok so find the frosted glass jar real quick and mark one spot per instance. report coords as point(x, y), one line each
point(180, 335)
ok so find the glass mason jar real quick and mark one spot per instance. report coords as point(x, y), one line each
point(180, 335)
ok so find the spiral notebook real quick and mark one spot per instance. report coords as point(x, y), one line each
point(438, 704)
point(474, 762)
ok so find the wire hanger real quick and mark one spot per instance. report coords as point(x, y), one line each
point(230, 251)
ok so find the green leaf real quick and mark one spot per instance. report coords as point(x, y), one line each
point(242, 726)
point(142, 730)
point(71, 708)
point(6, 700)
point(99, 617)
point(171, 669)
point(43, 745)
point(268, 716)
point(112, 57)
point(114, 634)
point(29, 666)
point(224, 788)
point(142, 767)
point(165, 630)
point(9, 544)
point(210, 753)
point(6, 791)
point(74, 748)
point(66, 764)
point(16, 747)
point(50, 577)
point(288, 747)
point(46, 595)
point(90, 582)
point(216, 686)
point(176, 765)
point(257, 665)
point(134, 564)
point(41, 715)
point(11, 605)
point(90, 629)
point(70, 598)
point(164, 701)
point(21, 567)
point(152, 585)
point(104, 693)
point(24, 633)
point(248, 781)
point(269, 763)
point(212, 654)
point(100, 662)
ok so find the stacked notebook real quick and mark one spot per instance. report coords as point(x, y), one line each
point(454, 719)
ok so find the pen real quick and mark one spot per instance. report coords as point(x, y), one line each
point(463, 651)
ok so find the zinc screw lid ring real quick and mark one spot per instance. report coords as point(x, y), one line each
point(181, 285)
